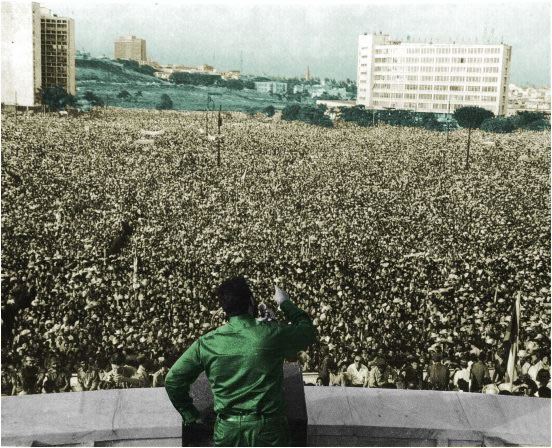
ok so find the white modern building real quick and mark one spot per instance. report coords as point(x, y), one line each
point(428, 77)
point(21, 55)
point(38, 51)
point(271, 87)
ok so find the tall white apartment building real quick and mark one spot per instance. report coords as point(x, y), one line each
point(427, 77)
point(38, 51)
point(21, 55)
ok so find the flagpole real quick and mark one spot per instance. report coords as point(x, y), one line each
point(514, 338)
point(218, 139)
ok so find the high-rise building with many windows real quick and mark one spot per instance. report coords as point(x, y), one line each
point(58, 51)
point(131, 48)
point(428, 77)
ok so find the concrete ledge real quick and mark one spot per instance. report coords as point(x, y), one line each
point(337, 417)
point(90, 417)
point(375, 417)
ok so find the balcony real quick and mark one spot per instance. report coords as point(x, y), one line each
point(336, 417)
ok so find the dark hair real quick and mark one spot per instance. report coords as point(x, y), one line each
point(544, 392)
point(482, 356)
point(463, 385)
point(29, 379)
point(543, 376)
point(234, 296)
point(118, 359)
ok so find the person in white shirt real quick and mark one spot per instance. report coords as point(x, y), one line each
point(463, 373)
point(523, 362)
point(536, 365)
point(358, 373)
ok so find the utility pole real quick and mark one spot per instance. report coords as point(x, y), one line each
point(448, 117)
point(218, 138)
point(209, 100)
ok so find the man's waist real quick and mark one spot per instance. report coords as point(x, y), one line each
point(242, 416)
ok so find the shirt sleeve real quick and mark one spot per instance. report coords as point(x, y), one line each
point(179, 379)
point(300, 334)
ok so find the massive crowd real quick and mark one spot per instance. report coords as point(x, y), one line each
point(114, 238)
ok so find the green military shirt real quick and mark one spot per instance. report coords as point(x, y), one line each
point(243, 360)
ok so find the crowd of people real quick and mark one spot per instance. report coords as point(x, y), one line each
point(113, 244)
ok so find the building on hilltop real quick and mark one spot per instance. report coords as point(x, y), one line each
point(529, 99)
point(231, 74)
point(166, 70)
point(38, 51)
point(428, 77)
point(271, 87)
point(57, 43)
point(130, 48)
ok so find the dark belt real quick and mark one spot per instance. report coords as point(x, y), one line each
point(245, 416)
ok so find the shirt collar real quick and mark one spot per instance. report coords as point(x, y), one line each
point(240, 319)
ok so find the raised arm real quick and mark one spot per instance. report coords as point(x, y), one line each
point(300, 334)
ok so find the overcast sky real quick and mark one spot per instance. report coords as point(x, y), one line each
point(284, 38)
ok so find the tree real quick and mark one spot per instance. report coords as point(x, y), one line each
point(93, 99)
point(357, 114)
point(123, 94)
point(542, 124)
point(269, 111)
point(291, 112)
point(234, 84)
point(526, 117)
point(307, 114)
point(500, 125)
point(196, 79)
point(471, 117)
point(166, 103)
point(56, 98)
point(138, 93)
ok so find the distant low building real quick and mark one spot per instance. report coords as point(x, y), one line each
point(205, 68)
point(530, 99)
point(334, 105)
point(232, 74)
point(319, 90)
point(166, 70)
point(271, 87)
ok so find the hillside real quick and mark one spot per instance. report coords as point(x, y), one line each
point(107, 79)
point(105, 70)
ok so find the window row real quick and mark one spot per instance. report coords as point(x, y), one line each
point(436, 96)
point(436, 69)
point(438, 60)
point(453, 50)
point(429, 87)
point(488, 79)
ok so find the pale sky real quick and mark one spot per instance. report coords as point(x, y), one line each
point(284, 38)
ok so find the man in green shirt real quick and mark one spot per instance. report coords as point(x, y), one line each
point(243, 361)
